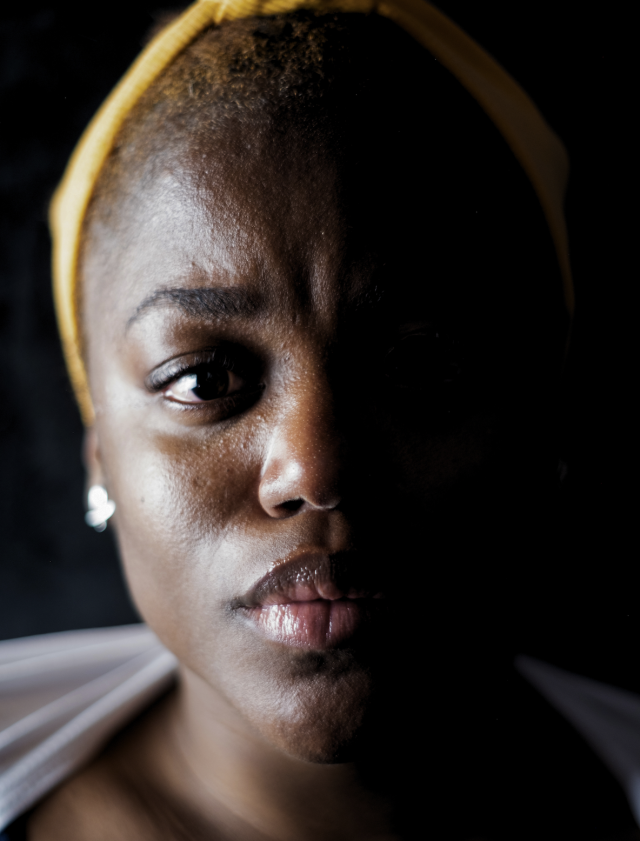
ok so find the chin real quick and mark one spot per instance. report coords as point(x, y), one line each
point(326, 742)
point(317, 718)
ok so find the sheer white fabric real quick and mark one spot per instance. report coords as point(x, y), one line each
point(62, 696)
point(606, 717)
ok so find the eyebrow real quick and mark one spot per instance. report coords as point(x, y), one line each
point(221, 303)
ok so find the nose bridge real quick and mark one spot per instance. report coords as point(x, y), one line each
point(302, 464)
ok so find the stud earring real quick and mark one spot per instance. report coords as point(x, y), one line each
point(100, 508)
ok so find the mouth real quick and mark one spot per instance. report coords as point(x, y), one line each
point(309, 602)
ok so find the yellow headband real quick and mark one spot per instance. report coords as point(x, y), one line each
point(537, 148)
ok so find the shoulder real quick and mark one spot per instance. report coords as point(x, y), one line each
point(112, 799)
point(123, 794)
point(94, 805)
point(62, 696)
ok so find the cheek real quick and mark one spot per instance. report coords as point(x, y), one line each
point(431, 466)
point(181, 500)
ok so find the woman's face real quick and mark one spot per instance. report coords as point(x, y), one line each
point(270, 422)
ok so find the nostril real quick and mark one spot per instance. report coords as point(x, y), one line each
point(292, 504)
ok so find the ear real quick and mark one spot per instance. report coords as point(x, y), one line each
point(91, 458)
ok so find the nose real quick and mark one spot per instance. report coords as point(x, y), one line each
point(303, 464)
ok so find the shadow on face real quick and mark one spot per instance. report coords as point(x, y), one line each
point(320, 353)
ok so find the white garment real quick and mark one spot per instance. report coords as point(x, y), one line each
point(606, 717)
point(62, 696)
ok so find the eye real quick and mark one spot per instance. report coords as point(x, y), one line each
point(203, 383)
point(425, 361)
point(227, 378)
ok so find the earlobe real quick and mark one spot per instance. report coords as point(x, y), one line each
point(91, 458)
point(101, 508)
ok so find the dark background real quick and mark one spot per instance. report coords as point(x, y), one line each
point(57, 65)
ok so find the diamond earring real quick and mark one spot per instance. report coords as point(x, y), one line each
point(100, 508)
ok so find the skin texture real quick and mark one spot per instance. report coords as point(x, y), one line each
point(326, 450)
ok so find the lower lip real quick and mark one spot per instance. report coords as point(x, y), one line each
point(318, 624)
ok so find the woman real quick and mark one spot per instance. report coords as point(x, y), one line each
point(313, 286)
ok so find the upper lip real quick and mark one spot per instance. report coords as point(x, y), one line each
point(309, 576)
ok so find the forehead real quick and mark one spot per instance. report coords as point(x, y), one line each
point(250, 213)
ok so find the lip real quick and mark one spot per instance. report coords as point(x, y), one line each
point(311, 600)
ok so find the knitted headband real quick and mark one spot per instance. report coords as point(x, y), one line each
point(537, 148)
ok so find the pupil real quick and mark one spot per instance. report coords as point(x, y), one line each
point(211, 384)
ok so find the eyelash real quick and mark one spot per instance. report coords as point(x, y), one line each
point(171, 372)
point(223, 360)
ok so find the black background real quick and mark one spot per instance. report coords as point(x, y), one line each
point(56, 66)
